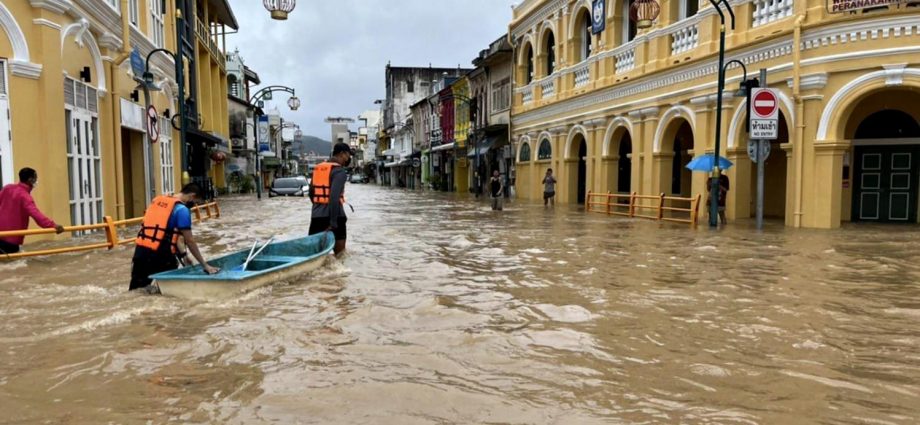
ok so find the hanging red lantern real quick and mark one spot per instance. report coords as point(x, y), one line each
point(644, 12)
point(218, 156)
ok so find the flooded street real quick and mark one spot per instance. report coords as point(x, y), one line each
point(446, 312)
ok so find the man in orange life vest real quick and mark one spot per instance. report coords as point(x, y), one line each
point(167, 218)
point(327, 191)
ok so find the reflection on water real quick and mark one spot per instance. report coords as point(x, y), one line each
point(446, 312)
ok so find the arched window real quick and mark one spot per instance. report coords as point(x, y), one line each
point(629, 26)
point(525, 153)
point(546, 150)
point(686, 8)
point(529, 77)
point(586, 36)
point(550, 53)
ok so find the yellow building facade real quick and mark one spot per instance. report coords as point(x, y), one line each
point(626, 109)
point(72, 110)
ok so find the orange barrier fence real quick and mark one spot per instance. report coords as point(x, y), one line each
point(109, 226)
point(645, 206)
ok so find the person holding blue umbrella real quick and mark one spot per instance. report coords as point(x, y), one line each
point(706, 163)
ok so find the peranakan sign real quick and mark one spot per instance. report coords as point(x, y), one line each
point(843, 6)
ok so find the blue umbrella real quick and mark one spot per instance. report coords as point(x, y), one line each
point(706, 162)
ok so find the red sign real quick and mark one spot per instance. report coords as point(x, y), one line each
point(765, 104)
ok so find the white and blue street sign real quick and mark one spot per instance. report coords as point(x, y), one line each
point(137, 63)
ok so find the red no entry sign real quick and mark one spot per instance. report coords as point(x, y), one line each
point(765, 104)
point(764, 114)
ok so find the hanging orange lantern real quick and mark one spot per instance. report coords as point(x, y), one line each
point(644, 12)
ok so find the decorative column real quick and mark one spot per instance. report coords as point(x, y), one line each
point(558, 161)
point(703, 107)
point(650, 181)
point(594, 142)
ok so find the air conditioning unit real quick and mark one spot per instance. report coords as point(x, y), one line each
point(237, 143)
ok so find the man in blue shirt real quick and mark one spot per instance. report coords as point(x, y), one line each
point(167, 218)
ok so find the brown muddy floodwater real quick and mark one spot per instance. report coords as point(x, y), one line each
point(445, 312)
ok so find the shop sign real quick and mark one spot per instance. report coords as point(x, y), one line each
point(843, 6)
point(132, 115)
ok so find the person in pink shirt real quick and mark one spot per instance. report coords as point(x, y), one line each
point(16, 206)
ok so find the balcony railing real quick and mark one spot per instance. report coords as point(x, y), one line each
point(527, 93)
point(767, 11)
point(582, 74)
point(548, 86)
point(626, 59)
point(685, 39)
point(201, 29)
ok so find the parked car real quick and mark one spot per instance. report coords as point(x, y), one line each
point(359, 178)
point(290, 186)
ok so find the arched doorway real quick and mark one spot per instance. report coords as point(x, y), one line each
point(579, 170)
point(682, 145)
point(624, 164)
point(885, 129)
point(775, 168)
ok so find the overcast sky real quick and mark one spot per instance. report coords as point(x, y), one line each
point(334, 52)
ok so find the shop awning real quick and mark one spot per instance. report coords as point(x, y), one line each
point(443, 147)
point(484, 147)
point(203, 137)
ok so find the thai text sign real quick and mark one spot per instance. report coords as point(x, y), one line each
point(764, 114)
point(842, 6)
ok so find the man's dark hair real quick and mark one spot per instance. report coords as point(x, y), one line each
point(27, 174)
point(550, 170)
point(340, 148)
point(191, 189)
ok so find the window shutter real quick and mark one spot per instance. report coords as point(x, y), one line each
point(69, 92)
point(81, 95)
point(91, 99)
point(3, 78)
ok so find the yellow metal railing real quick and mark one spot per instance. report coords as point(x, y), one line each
point(109, 226)
point(635, 205)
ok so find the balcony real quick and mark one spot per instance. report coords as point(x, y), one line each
point(526, 93)
point(685, 38)
point(548, 87)
point(625, 58)
point(767, 11)
point(201, 30)
point(582, 73)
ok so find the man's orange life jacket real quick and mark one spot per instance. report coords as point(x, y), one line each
point(154, 230)
point(322, 183)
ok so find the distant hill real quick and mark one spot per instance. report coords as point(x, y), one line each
point(307, 144)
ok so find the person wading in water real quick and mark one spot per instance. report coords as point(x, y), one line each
point(327, 192)
point(167, 218)
point(16, 206)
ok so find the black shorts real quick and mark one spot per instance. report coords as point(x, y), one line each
point(548, 195)
point(321, 224)
point(8, 248)
point(146, 266)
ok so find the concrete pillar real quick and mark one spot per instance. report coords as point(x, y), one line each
point(828, 170)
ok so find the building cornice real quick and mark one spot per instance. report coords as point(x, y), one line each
point(26, 69)
point(865, 30)
point(56, 6)
point(47, 23)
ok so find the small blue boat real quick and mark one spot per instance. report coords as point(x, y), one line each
point(277, 262)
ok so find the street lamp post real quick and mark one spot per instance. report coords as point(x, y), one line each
point(714, 190)
point(293, 103)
